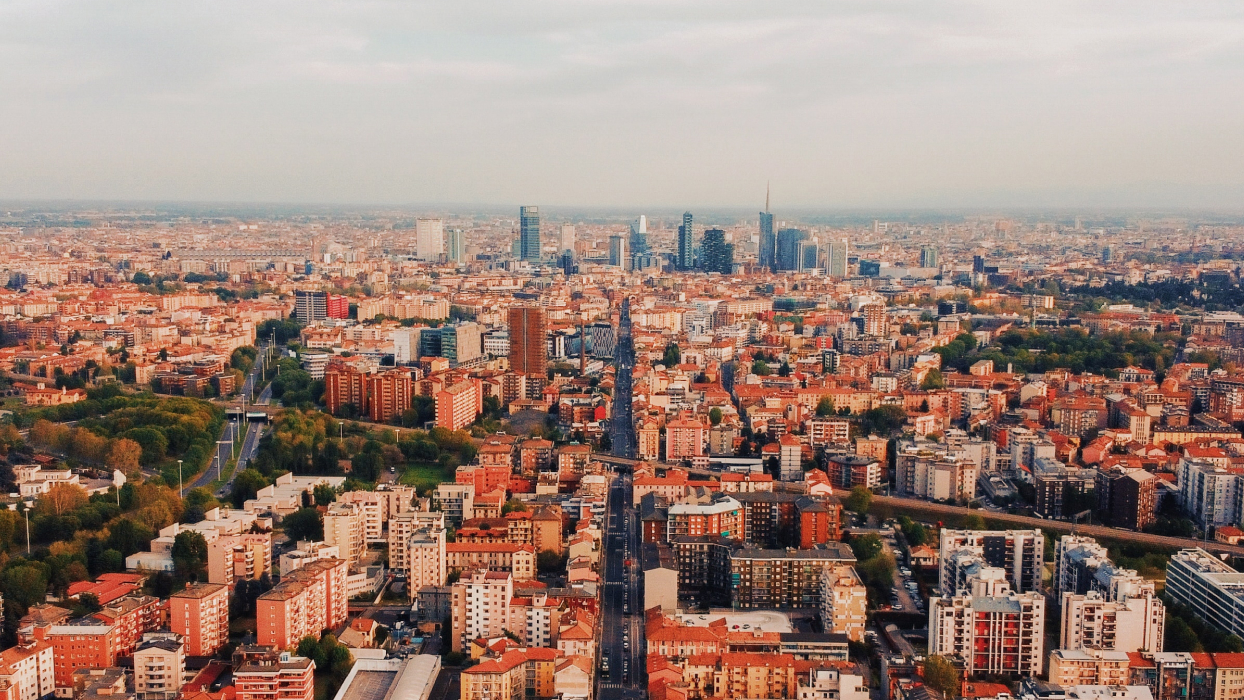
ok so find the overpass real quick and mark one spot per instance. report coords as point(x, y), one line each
point(1028, 522)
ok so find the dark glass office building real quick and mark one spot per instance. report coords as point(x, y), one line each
point(529, 233)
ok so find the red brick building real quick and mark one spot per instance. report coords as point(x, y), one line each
point(201, 615)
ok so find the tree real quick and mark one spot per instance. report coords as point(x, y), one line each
point(859, 500)
point(973, 522)
point(324, 494)
point(25, 584)
point(941, 675)
point(190, 556)
point(125, 456)
point(304, 524)
point(513, 505)
point(784, 370)
point(825, 407)
point(866, 547)
point(246, 485)
point(714, 415)
point(127, 536)
point(932, 380)
point(141, 277)
point(550, 562)
point(61, 499)
point(760, 368)
point(673, 356)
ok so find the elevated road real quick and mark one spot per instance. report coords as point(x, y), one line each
point(1061, 526)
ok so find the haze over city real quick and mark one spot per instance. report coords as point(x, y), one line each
point(652, 104)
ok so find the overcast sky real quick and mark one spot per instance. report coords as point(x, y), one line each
point(838, 103)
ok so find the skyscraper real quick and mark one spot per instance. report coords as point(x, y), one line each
point(617, 251)
point(529, 233)
point(429, 239)
point(809, 252)
point(788, 240)
point(978, 264)
point(639, 235)
point(566, 239)
point(768, 244)
point(457, 245)
point(622, 427)
point(718, 255)
point(528, 341)
point(928, 256)
point(684, 243)
point(837, 258)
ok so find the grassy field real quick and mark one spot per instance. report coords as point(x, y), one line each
point(425, 476)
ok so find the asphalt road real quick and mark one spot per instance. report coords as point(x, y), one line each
point(249, 434)
point(1061, 526)
point(622, 635)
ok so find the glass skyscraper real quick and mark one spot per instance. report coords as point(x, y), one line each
point(788, 240)
point(529, 233)
point(768, 244)
point(836, 258)
point(684, 243)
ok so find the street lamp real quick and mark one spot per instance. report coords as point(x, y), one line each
point(181, 482)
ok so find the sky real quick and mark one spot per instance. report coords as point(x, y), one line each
point(662, 103)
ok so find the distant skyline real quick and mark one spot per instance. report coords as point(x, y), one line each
point(646, 105)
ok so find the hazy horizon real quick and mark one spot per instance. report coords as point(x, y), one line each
point(843, 107)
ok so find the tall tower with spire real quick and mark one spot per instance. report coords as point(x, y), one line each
point(768, 242)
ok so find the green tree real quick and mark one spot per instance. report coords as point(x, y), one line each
point(859, 500)
point(932, 380)
point(784, 370)
point(714, 415)
point(825, 407)
point(866, 547)
point(973, 522)
point(127, 536)
point(245, 486)
point(513, 505)
point(190, 556)
point(25, 584)
point(672, 356)
point(760, 368)
point(304, 524)
point(941, 675)
point(324, 494)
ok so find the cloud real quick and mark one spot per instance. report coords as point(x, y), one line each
point(839, 102)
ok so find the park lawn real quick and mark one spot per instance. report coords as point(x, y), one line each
point(425, 476)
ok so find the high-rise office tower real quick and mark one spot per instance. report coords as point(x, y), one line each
point(457, 245)
point(529, 233)
point(978, 264)
point(718, 255)
point(617, 251)
point(528, 340)
point(639, 235)
point(462, 343)
point(809, 252)
point(1107, 254)
point(928, 256)
point(788, 240)
point(837, 258)
point(685, 243)
point(768, 243)
point(429, 239)
point(566, 239)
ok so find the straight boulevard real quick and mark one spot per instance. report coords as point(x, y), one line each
point(622, 634)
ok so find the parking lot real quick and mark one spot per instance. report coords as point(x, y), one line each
point(904, 595)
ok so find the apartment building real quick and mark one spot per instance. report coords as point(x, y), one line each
point(518, 559)
point(1127, 498)
point(401, 527)
point(234, 557)
point(1020, 553)
point(782, 578)
point(378, 508)
point(536, 619)
point(989, 628)
point(480, 606)
point(268, 674)
point(456, 501)
point(29, 669)
point(306, 602)
point(844, 601)
point(1213, 590)
point(159, 665)
point(684, 439)
point(131, 617)
point(424, 558)
point(82, 643)
point(833, 684)
point(1211, 494)
point(1068, 667)
point(343, 529)
point(705, 513)
point(515, 675)
point(741, 675)
point(200, 614)
point(1127, 624)
point(790, 458)
point(459, 404)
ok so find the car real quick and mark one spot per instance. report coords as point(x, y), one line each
point(898, 606)
point(626, 644)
